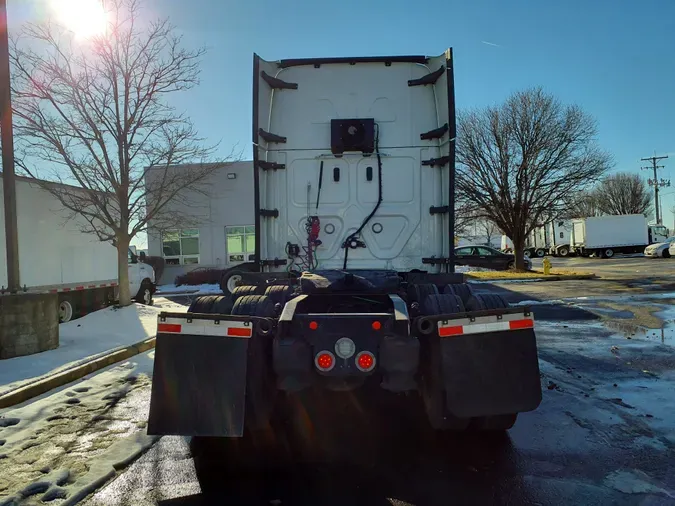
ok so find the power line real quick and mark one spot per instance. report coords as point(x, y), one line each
point(656, 183)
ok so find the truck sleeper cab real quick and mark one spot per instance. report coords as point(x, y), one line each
point(354, 278)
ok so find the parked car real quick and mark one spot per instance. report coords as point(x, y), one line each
point(487, 258)
point(664, 249)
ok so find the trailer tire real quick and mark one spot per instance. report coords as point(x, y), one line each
point(202, 304)
point(222, 305)
point(563, 251)
point(494, 423)
point(485, 302)
point(442, 304)
point(540, 253)
point(461, 290)
point(66, 311)
point(527, 253)
point(243, 290)
point(418, 293)
point(607, 253)
point(280, 294)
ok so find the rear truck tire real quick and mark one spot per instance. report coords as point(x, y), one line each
point(243, 290)
point(66, 311)
point(540, 253)
point(260, 379)
point(486, 301)
point(607, 253)
point(563, 251)
point(417, 293)
point(203, 304)
point(496, 423)
point(260, 447)
point(280, 294)
point(461, 290)
point(666, 253)
point(442, 304)
point(527, 253)
point(432, 391)
point(144, 295)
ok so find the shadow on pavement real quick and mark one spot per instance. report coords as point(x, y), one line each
point(556, 311)
point(353, 454)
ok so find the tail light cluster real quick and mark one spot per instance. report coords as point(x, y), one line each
point(345, 349)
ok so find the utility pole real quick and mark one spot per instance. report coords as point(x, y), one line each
point(656, 183)
point(7, 143)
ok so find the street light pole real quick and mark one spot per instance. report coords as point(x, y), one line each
point(7, 143)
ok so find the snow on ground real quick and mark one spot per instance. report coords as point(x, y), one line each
point(189, 289)
point(65, 444)
point(83, 339)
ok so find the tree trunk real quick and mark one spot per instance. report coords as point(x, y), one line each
point(123, 269)
point(519, 251)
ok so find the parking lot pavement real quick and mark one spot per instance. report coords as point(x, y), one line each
point(604, 434)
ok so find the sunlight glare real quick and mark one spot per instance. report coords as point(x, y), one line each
point(86, 18)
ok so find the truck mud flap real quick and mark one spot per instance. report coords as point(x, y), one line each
point(489, 364)
point(199, 377)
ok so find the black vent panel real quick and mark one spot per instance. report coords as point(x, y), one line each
point(352, 135)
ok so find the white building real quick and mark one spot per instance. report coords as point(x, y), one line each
point(221, 230)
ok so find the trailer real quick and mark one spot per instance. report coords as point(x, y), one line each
point(604, 236)
point(56, 256)
point(353, 285)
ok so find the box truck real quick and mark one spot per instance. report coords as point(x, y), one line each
point(353, 286)
point(56, 256)
point(604, 236)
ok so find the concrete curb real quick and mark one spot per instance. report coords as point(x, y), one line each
point(53, 381)
point(561, 277)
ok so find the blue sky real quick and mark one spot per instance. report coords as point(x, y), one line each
point(616, 59)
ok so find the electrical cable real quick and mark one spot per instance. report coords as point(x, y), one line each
point(379, 198)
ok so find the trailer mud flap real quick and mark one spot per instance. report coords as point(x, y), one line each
point(199, 379)
point(490, 373)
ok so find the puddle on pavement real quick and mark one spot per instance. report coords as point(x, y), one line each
point(666, 334)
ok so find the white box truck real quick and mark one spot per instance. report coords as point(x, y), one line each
point(56, 256)
point(353, 285)
point(604, 236)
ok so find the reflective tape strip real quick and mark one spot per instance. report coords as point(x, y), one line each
point(205, 327)
point(483, 324)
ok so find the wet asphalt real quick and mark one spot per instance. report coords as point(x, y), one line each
point(585, 444)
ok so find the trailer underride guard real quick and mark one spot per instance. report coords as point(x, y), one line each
point(354, 281)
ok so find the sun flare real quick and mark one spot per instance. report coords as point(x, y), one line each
point(86, 18)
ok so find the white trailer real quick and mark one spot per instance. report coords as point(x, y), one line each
point(56, 256)
point(604, 236)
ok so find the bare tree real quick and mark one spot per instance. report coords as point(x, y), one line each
point(95, 114)
point(623, 193)
point(520, 160)
point(582, 205)
point(490, 230)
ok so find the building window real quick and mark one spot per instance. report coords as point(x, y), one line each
point(240, 243)
point(181, 247)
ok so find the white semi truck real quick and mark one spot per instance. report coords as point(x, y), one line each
point(353, 286)
point(56, 256)
point(604, 236)
point(552, 238)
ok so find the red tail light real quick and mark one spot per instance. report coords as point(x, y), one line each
point(324, 361)
point(365, 361)
point(377, 325)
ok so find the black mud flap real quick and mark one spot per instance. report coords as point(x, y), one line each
point(492, 373)
point(199, 380)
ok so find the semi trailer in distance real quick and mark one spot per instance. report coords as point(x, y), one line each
point(57, 256)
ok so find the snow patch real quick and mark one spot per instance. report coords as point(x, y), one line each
point(82, 340)
point(634, 482)
point(205, 289)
